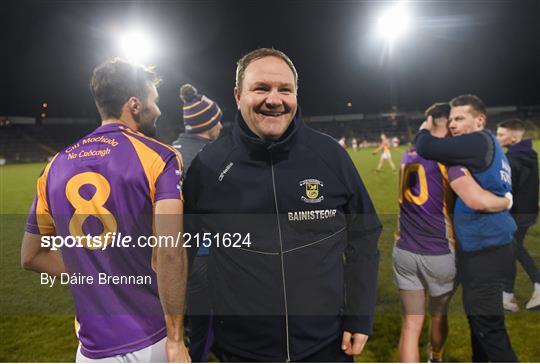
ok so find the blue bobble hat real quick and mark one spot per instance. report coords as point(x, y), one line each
point(200, 113)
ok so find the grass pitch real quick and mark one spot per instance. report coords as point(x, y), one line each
point(36, 322)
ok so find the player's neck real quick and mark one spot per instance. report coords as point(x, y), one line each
point(127, 122)
point(439, 132)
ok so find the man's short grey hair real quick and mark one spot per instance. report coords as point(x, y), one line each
point(258, 53)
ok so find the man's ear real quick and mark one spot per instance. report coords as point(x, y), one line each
point(481, 121)
point(237, 97)
point(514, 137)
point(134, 105)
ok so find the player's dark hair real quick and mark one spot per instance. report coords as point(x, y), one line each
point(115, 81)
point(476, 104)
point(242, 64)
point(512, 124)
point(438, 110)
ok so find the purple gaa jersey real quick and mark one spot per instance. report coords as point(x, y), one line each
point(108, 182)
point(425, 205)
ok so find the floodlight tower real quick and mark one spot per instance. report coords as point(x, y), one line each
point(392, 25)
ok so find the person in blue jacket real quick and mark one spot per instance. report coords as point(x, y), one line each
point(295, 279)
point(484, 239)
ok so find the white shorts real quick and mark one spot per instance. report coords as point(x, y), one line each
point(154, 353)
point(434, 273)
point(386, 155)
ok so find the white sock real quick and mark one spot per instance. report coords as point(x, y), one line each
point(507, 297)
point(537, 287)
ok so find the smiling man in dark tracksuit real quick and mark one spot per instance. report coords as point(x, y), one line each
point(301, 286)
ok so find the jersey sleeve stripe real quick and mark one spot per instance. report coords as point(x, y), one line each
point(448, 202)
point(151, 162)
point(44, 219)
point(172, 149)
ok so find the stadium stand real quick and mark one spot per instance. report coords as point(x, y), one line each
point(37, 143)
point(404, 125)
point(23, 143)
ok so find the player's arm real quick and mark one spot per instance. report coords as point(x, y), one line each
point(171, 260)
point(474, 151)
point(476, 197)
point(40, 259)
point(171, 269)
point(36, 256)
point(379, 148)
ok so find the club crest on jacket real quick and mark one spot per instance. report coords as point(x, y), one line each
point(312, 190)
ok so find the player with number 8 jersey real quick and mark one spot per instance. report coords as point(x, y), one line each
point(115, 192)
point(110, 182)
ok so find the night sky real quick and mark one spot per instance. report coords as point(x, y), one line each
point(490, 48)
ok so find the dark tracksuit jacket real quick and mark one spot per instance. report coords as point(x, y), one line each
point(189, 145)
point(310, 271)
point(524, 163)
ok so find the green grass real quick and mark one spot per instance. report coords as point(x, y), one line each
point(523, 327)
point(36, 322)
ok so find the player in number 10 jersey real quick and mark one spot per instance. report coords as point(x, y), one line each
point(423, 256)
point(111, 181)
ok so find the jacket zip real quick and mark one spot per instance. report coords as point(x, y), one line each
point(288, 359)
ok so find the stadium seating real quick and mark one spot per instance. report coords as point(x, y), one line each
point(33, 143)
point(22, 143)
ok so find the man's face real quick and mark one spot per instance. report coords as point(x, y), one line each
point(215, 131)
point(505, 137)
point(464, 121)
point(267, 99)
point(147, 117)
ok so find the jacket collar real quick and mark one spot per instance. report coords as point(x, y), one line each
point(193, 136)
point(523, 146)
point(242, 134)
